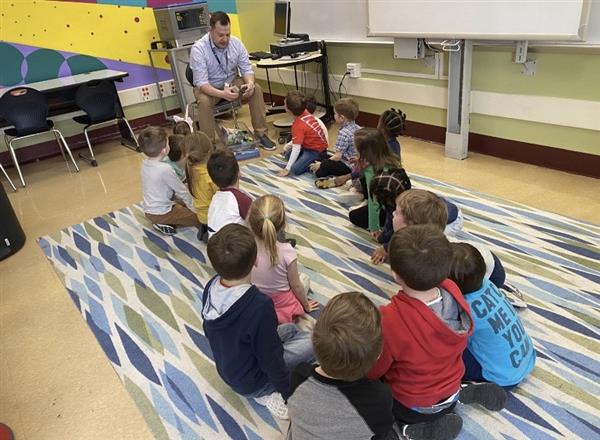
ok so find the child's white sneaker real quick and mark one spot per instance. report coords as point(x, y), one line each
point(305, 279)
point(275, 404)
point(350, 197)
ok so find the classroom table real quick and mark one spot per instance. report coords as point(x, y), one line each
point(288, 61)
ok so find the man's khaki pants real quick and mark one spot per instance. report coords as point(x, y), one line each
point(206, 105)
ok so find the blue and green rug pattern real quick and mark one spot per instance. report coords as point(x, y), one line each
point(139, 293)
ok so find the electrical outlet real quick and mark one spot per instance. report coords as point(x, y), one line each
point(353, 70)
point(145, 93)
point(173, 88)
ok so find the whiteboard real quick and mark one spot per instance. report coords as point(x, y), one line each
point(557, 20)
point(336, 21)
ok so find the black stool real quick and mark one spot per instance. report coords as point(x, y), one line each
point(12, 237)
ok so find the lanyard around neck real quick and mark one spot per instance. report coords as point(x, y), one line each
point(224, 69)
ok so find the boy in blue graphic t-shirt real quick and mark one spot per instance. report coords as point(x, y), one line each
point(499, 350)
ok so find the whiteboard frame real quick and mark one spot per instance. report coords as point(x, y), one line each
point(556, 38)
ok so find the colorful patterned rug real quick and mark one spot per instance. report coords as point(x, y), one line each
point(139, 293)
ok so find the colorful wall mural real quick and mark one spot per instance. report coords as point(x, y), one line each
point(45, 39)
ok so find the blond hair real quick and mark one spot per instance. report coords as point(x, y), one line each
point(198, 147)
point(266, 219)
point(347, 337)
point(422, 207)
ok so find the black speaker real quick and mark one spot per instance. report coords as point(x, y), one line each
point(12, 237)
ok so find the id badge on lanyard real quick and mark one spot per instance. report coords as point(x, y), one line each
point(224, 69)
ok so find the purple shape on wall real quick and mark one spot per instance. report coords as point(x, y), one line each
point(161, 3)
point(139, 74)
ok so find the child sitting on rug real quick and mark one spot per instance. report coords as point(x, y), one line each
point(345, 112)
point(229, 204)
point(385, 187)
point(176, 156)
point(309, 142)
point(182, 127)
point(334, 400)
point(499, 350)
point(375, 157)
point(253, 355)
point(276, 270)
point(167, 202)
point(418, 207)
point(391, 123)
point(311, 107)
point(202, 188)
point(425, 330)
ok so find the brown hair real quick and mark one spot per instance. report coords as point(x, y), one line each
point(198, 147)
point(468, 267)
point(373, 149)
point(421, 255)
point(266, 218)
point(347, 107)
point(182, 127)
point(232, 251)
point(388, 185)
point(219, 17)
point(347, 337)
point(295, 102)
point(223, 168)
point(152, 140)
point(176, 148)
point(422, 207)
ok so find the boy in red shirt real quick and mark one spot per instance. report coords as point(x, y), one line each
point(309, 140)
point(425, 331)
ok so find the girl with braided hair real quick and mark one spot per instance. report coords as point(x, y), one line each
point(392, 123)
point(385, 187)
point(275, 272)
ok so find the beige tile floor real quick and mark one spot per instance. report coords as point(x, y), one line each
point(56, 383)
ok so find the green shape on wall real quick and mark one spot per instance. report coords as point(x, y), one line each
point(228, 6)
point(43, 64)
point(12, 59)
point(84, 63)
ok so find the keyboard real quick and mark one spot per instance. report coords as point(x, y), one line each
point(260, 55)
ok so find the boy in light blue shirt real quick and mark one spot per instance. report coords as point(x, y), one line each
point(499, 350)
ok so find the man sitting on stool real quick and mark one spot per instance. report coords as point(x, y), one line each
point(221, 67)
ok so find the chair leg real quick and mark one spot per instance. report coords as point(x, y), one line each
point(8, 178)
point(14, 158)
point(91, 159)
point(60, 146)
point(131, 132)
point(67, 148)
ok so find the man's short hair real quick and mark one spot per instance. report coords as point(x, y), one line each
point(347, 107)
point(468, 267)
point(223, 168)
point(422, 207)
point(219, 17)
point(152, 140)
point(347, 337)
point(295, 102)
point(232, 251)
point(421, 255)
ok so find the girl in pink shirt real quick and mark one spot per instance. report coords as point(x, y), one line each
point(276, 270)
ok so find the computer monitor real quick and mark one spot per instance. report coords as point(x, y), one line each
point(282, 19)
point(182, 24)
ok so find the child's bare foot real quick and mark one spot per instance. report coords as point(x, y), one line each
point(283, 173)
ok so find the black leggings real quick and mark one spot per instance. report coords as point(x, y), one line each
point(406, 416)
point(360, 217)
point(332, 168)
